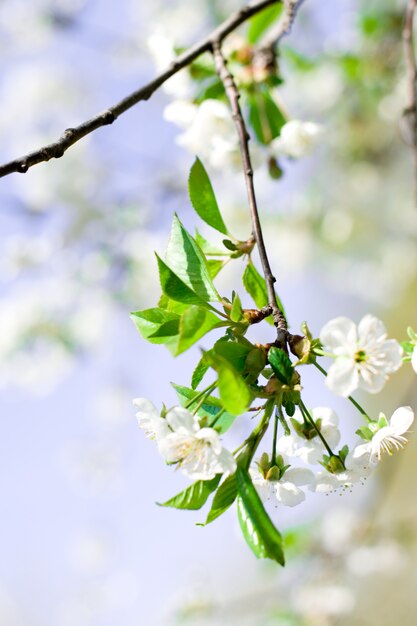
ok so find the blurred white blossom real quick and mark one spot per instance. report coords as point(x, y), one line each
point(296, 139)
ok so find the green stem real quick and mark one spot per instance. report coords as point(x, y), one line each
point(350, 398)
point(274, 441)
point(254, 439)
point(196, 398)
point(308, 417)
point(217, 417)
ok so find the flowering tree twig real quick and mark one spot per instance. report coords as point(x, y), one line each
point(268, 50)
point(410, 110)
point(71, 136)
point(233, 96)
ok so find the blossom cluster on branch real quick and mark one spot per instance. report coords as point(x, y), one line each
point(251, 377)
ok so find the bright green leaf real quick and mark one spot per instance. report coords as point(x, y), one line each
point(214, 266)
point(260, 533)
point(156, 325)
point(186, 260)
point(233, 352)
point(203, 199)
point(173, 287)
point(265, 117)
point(234, 392)
point(210, 408)
point(193, 325)
point(255, 285)
point(201, 369)
point(262, 21)
point(281, 364)
point(172, 305)
point(195, 496)
point(236, 310)
point(223, 499)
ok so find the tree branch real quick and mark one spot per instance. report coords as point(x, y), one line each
point(410, 111)
point(73, 135)
point(268, 49)
point(233, 97)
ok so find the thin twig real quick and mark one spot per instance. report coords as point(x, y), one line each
point(410, 111)
point(72, 135)
point(267, 51)
point(233, 97)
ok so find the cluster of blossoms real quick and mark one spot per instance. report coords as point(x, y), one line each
point(180, 439)
point(363, 357)
point(207, 125)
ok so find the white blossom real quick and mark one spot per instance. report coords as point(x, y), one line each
point(363, 355)
point(149, 420)
point(311, 450)
point(181, 112)
point(286, 490)
point(318, 602)
point(296, 139)
point(325, 482)
point(210, 134)
point(197, 450)
point(386, 439)
point(162, 49)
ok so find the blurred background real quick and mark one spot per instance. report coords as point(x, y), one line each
point(82, 541)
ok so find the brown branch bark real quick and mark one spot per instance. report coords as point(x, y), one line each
point(73, 135)
point(410, 111)
point(233, 97)
point(268, 48)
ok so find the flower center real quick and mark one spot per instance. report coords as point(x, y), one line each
point(360, 356)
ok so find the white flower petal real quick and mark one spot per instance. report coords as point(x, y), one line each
point(154, 426)
point(343, 377)
point(401, 420)
point(370, 330)
point(288, 444)
point(211, 437)
point(226, 462)
point(371, 381)
point(327, 416)
point(288, 494)
point(339, 333)
point(174, 446)
point(299, 476)
point(145, 406)
point(393, 355)
point(180, 112)
point(182, 421)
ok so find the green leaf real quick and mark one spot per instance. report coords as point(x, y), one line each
point(203, 199)
point(214, 266)
point(210, 408)
point(156, 325)
point(262, 21)
point(234, 392)
point(193, 325)
point(195, 496)
point(235, 353)
point(260, 533)
point(236, 310)
point(201, 369)
point(256, 287)
point(172, 305)
point(281, 364)
point(173, 287)
point(186, 260)
point(208, 248)
point(265, 117)
point(223, 499)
